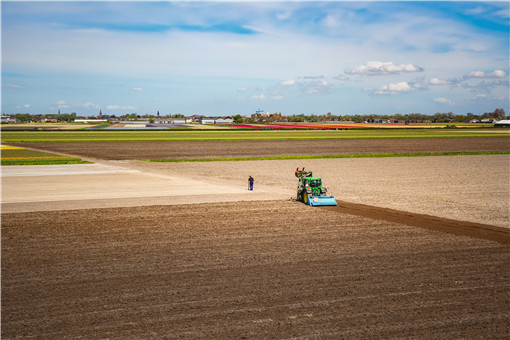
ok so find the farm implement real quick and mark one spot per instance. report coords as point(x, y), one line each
point(310, 190)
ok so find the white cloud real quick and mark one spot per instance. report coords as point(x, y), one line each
point(443, 100)
point(330, 21)
point(481, 74)
point(437, 81)
point(396, 88)
point(137, 89)
point(290, 82)
point(26, 106)
point(283, 15)
point(242, 89)
point(277, 97)
point(376, 68)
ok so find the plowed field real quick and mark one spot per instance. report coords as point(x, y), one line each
point(250, 270)
point(399, 262)
point(210, 149)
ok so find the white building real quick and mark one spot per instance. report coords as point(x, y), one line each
point(8, 119)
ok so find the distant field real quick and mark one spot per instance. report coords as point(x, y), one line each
point(20, 156)
point(197, 135)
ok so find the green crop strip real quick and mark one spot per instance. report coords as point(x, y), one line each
point(20, 156)
point(48, 161)
point(374, 155)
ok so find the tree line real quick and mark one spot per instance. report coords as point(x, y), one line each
point(439, 117)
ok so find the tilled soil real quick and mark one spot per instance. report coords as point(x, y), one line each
point(466, 188)
point(253, 270)
point(254, 148)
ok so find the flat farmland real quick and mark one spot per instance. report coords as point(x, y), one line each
point(418, 248)
point(252, 270)
point(125, 150)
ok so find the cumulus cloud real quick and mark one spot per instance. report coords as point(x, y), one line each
point(481, 74)
point(437, 81)
point(377, 68)
point(396, 88)
point(137, 89)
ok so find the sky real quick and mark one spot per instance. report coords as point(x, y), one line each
point(227, 58)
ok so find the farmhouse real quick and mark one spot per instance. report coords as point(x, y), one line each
point(502, 123)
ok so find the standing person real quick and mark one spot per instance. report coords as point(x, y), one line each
point(250, 183)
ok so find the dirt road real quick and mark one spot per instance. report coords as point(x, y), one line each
point(249, 270)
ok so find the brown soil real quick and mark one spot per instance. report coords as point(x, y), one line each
point(210, 149)
point(269, 269)
point(456, 227)
point(250, 270)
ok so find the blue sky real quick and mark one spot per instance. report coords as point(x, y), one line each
point(224, 58)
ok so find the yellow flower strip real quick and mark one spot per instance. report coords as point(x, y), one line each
point(6, 147)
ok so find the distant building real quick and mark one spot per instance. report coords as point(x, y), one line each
point(9, 119)
point(90, 120)
point(502, 123)
point(227, 120)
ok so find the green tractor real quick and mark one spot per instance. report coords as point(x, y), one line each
point(310, 190)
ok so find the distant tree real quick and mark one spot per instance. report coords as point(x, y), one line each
point(238, 119)
point(297, 118)
point(499, 114)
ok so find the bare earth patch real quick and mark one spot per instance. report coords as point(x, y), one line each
point(250, 270)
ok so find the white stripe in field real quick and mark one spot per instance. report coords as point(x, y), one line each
point(63, 169)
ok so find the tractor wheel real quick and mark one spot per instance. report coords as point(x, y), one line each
point(298, 197)
point(305, 198)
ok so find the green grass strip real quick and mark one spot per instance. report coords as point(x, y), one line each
point(373, 155)
point(43, 161)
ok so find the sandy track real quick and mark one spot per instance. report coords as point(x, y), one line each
point(83, 186)
point(245, 270)
point(208, 149)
